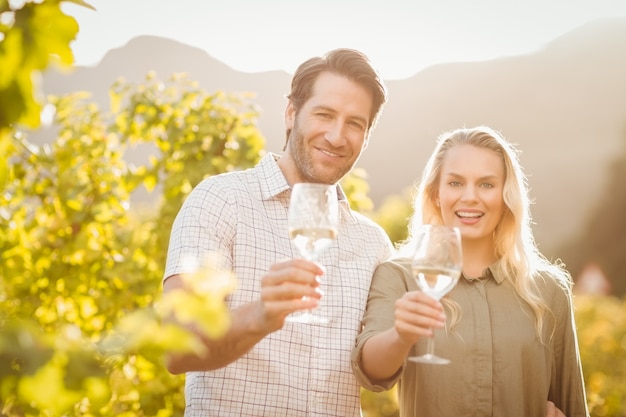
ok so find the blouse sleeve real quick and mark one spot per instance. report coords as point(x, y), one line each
point(389, 283)
point(567, 388)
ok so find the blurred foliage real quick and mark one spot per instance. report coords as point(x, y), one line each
point(380, 404)
point(80, 275)
point(601, 323)
point(356, 188)
point(393, 215)
point(33, 36)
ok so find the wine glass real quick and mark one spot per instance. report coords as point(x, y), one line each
point(313, 219)
point(436, 266)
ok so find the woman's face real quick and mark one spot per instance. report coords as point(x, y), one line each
point(470, 192)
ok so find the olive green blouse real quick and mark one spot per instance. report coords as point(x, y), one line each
point(499, 367)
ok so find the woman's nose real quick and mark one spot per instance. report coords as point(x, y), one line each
point(469, 193)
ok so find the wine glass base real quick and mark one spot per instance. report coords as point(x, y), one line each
point(429, 358)
point(305, 317)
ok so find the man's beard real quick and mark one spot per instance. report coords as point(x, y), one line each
point(307, 169)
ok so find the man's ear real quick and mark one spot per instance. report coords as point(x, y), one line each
point(366, 141)
point(290, 115)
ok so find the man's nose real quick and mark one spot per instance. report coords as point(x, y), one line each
point(334, 133)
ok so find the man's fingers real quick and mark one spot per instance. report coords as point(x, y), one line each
point(293, 271)
point(289, 291)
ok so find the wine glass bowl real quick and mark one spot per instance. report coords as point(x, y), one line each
point(436, 266)
point(436, 282)
point(313, 225)
point(312, 242)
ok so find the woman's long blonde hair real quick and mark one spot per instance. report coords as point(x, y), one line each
point(515, 246)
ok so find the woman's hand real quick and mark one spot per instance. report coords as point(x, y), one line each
point(553, 411)
point(416, 315)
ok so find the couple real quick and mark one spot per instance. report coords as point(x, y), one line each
point(512, 341)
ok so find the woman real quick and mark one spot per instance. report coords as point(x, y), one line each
point(507, 326)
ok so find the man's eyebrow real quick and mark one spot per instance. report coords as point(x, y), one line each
point(333, 111)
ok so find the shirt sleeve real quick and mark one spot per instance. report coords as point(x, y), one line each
point(389, 283)
point(202, 228)
point(567, 388)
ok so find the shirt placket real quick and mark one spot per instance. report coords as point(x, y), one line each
point(483, 359)
point(317, 371)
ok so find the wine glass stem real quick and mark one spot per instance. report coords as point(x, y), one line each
point(313, 258)
point(430, 345)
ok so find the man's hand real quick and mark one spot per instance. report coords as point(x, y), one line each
point(289, 286)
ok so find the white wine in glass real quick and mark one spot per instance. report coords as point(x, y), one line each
point(436, 265)
point(313, 220)
point(312, 242)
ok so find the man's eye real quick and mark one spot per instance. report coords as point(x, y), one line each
point(358, 125)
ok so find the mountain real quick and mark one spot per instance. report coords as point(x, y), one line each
point(563, 105)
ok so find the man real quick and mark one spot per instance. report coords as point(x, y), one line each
point(265, 366)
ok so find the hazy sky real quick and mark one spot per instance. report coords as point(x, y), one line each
point(401, 37)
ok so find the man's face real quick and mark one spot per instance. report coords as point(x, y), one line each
point(329, 131)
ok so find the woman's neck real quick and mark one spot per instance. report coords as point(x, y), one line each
point(477, 256)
